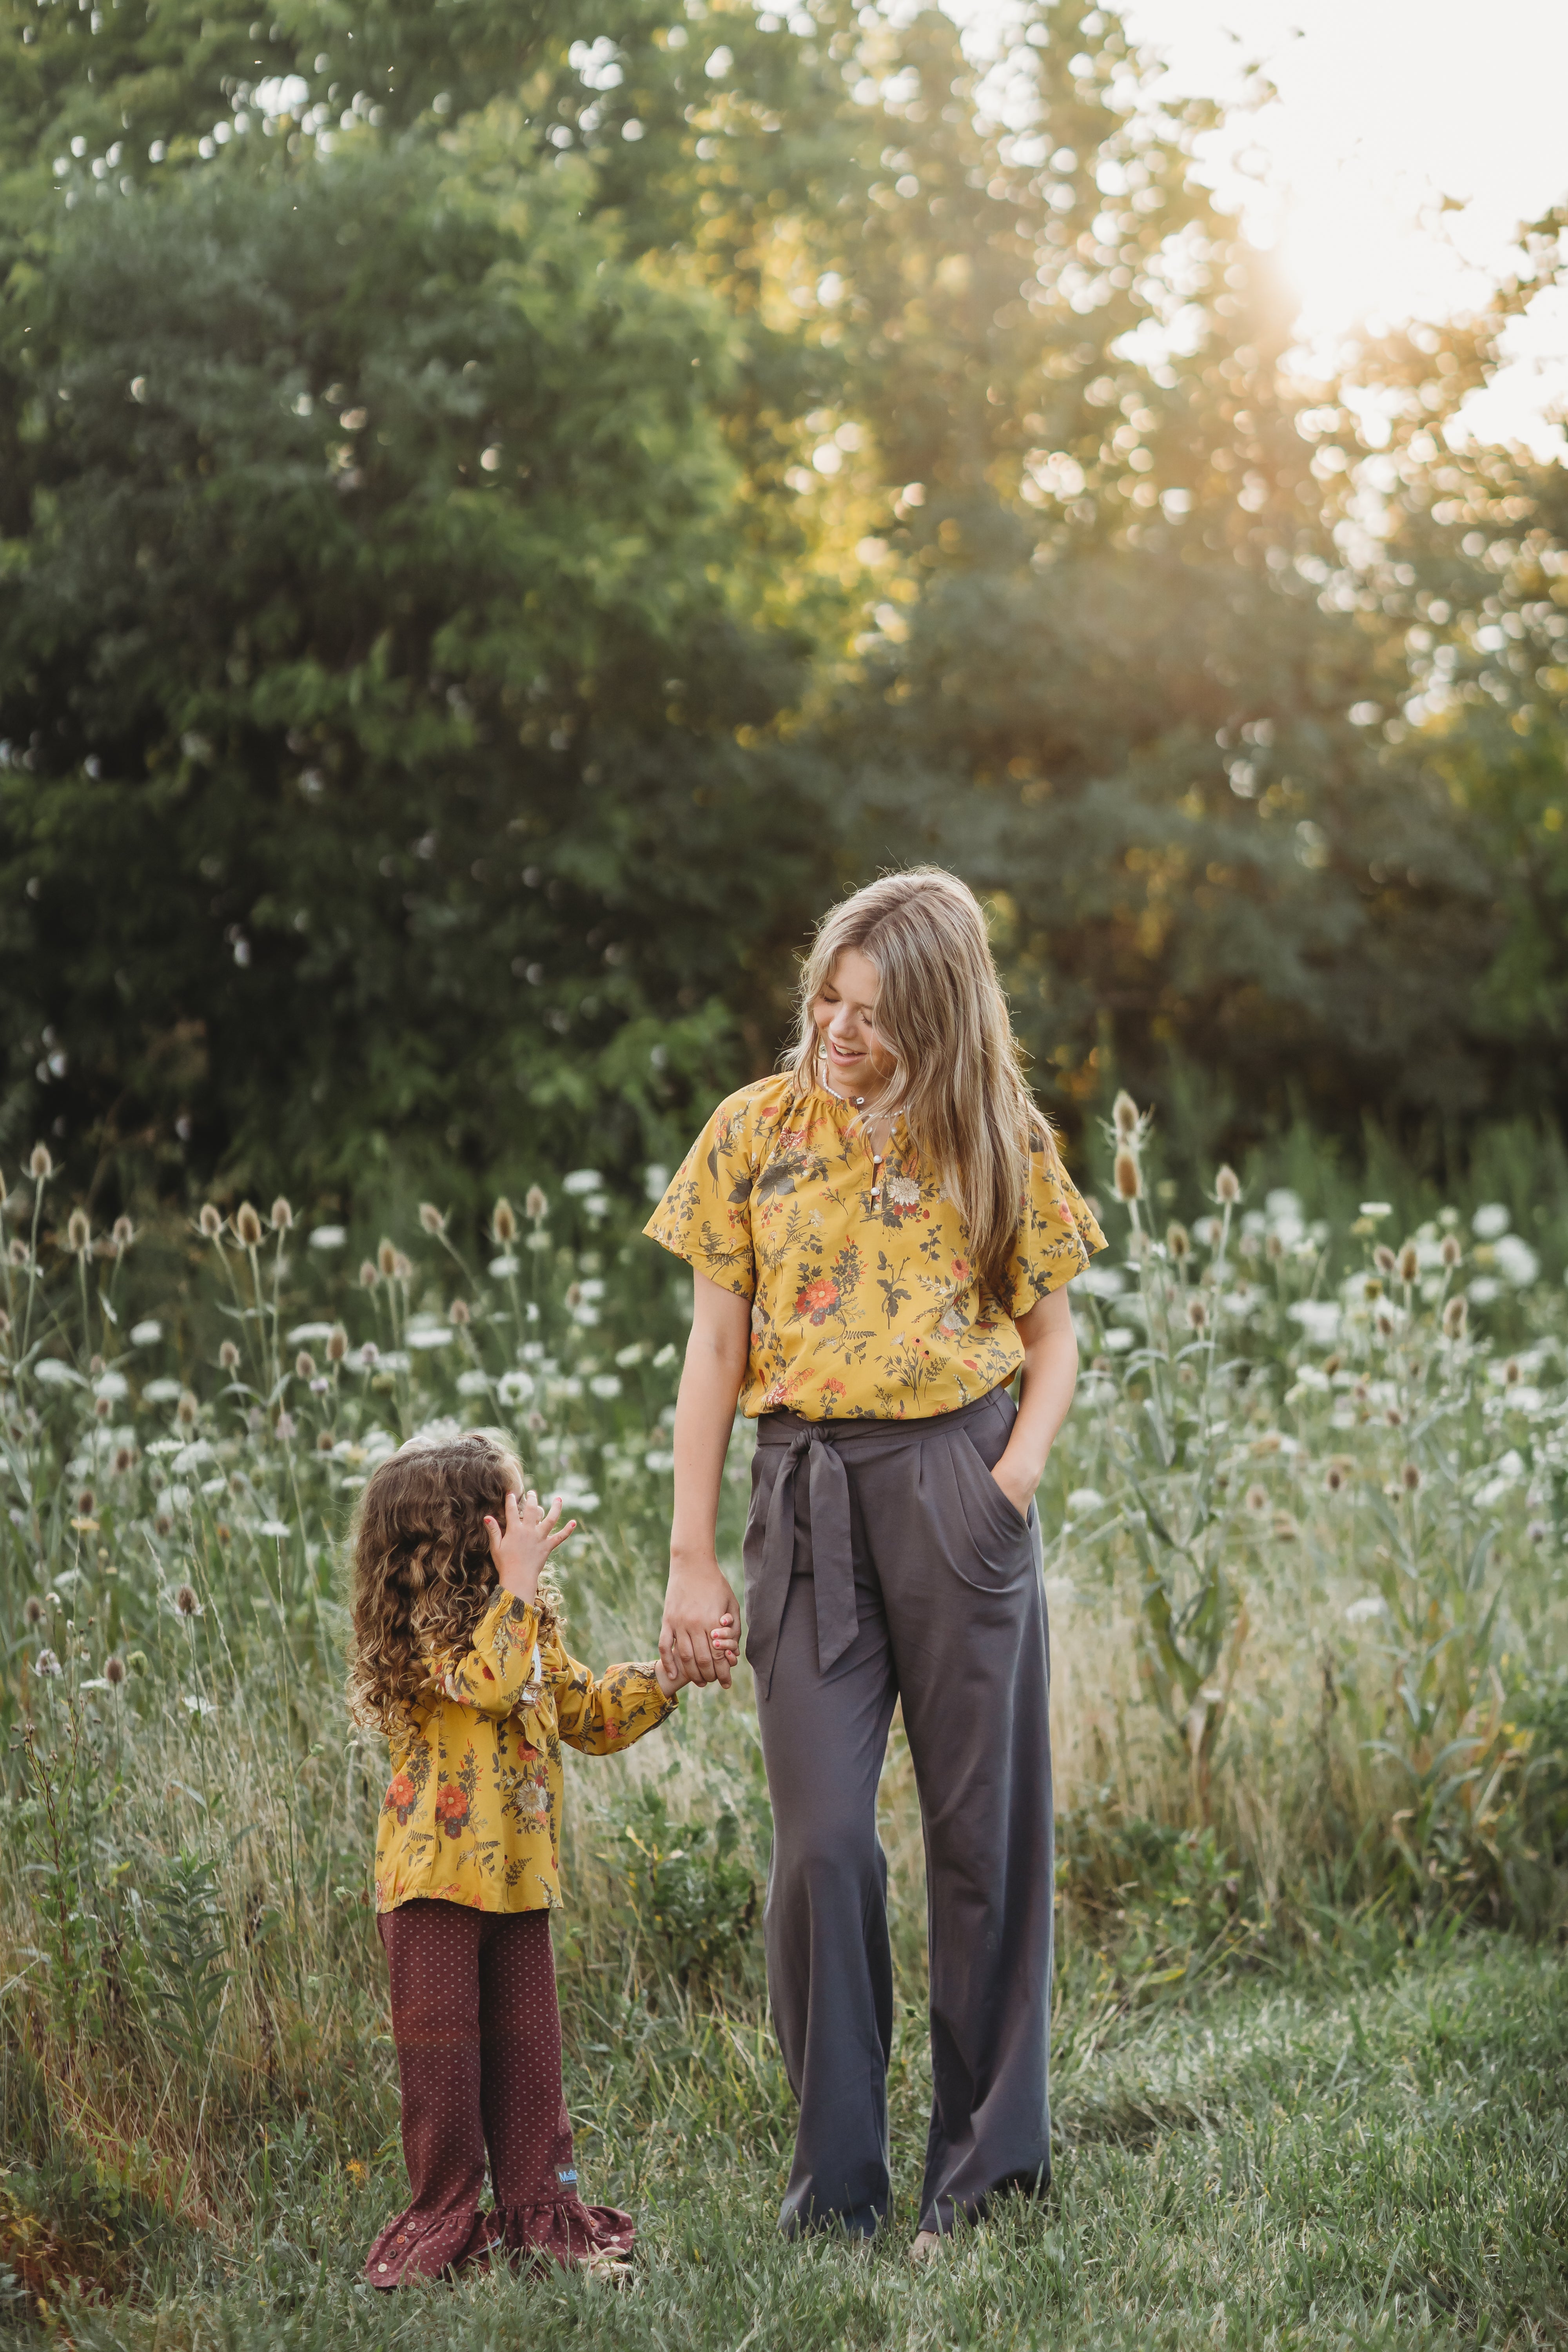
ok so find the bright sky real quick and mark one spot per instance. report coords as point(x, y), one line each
point(1385, 107)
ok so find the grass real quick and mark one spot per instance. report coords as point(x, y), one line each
point(1360, 2152)
point(1308, 1573)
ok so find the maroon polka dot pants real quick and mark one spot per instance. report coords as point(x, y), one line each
point(478, 2029)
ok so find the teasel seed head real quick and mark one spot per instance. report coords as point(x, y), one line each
point(122, 1234)
point(1226, 1187)
point(282, 1216)
point(369, 1354)
point(402, 1268)
point(1334, 1478)
point(1382, 1257)
point(1273, 1249)
point(1411, 1475)
point(1409, 1263)
point(101, 1408)
point(503, 1220)
point(115, 1671)
point(1384, 1323)
point(458, 1312)
point(284, 1430)
point(125, 1459)
point(229, 1356)
point(1128, 1177)
point(535, 1206)
point(78, 1232)
point(1284, 1529)
point(1455, 1315)
point(40, 1164)
point(1124, 1113)
point(368, 1276)
point(1371, 1287)
point(305, 1365)
point(337, 1344)
point(1257, 1501)
point(323, 1440)
point(85, 1502)
point(1394, 1417)
point(430, 1217)
point(1179, 1243)
point(185, 1601)
point(1452, 1253)
point(18, 1253)
point(248, 1225)
point(1197, 1314)
point(386, 1259)
point(187, 1408)
point(163, 1524)
point(210, 1222)
point(1332, 1364)
point(33, 1609)
point(1510, 1373)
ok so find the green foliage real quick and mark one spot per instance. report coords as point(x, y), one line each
point(691, 1893)
point(735, 459)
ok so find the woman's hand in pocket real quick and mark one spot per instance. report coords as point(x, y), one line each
point(1018, 1489)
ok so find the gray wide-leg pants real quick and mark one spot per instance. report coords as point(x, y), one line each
point(884, 1562)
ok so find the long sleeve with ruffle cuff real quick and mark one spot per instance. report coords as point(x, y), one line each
point(502, 1673)
point(599, 1713)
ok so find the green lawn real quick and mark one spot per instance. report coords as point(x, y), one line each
point(1348, 2159)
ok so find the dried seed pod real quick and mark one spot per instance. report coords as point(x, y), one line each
point(1409, 1263)
point(187, 1408)
point(282, 1216)
point(368, 1276)
point(1226, 1187)
point(1382, 1257)
point(185, 1601)
point(115, 1671)
point(78, 1232)
point(305, 1365)
point(503, 1220)
point(1452, 1253)
point(1411, 1475)
point(210, 1222)
point(1455, 1315)
point(1179, 1242)
point(1197, 1314)
point(1256, 1500)
point(41, 1163)
point(386, 1258)
point(1128, 1177)
point(1124, 1112)
point(248, 1225)
point(535, 1205)
point(458, 1312)
point(337, 1344)
point(229, 1356)
point(430, 1217)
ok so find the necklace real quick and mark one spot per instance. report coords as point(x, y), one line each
point(859, 1103)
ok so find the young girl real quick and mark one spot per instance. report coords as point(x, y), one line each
point(457, 1658)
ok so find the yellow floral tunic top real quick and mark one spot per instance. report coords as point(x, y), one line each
point(865, 1301)
point(473, 1812)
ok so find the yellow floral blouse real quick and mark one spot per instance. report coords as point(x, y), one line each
point(472, 1813)
point(865, 1303)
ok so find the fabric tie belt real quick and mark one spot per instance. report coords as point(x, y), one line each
point(819, 1443)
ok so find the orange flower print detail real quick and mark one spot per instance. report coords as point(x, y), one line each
point(452, 1810)
point(399, 1797)
point(818, 1299)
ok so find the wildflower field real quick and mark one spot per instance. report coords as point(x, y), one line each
point(1307, 1538)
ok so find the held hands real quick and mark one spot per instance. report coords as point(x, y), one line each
point(698, 1607)
point(723, 1641)
point(521, 1550)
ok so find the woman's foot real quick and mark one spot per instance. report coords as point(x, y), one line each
point(924, 2245)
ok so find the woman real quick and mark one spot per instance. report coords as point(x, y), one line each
point(880, 1238)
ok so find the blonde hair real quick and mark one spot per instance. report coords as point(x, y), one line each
point(942, 1014)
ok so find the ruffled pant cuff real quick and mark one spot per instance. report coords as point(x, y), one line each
point(553, 2229)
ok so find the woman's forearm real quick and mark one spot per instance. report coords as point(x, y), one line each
point(698, 1594)
point(1049, 1380)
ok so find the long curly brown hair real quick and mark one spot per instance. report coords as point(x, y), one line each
point(422, 1574)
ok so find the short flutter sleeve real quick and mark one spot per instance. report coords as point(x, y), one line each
point(1056, 1236)
point(705, 1216)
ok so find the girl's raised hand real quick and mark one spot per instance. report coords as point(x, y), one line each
point(520, 1548)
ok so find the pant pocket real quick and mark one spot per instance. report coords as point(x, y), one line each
point(994, 1545)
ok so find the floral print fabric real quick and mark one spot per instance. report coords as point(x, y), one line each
point(472, 1812)
point(865, 1300)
